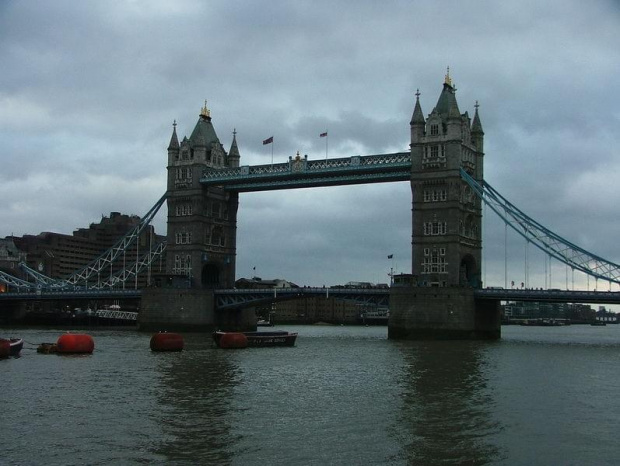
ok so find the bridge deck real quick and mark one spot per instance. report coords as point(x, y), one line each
point(303, 173)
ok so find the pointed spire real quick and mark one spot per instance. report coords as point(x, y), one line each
point(418, 116)
point(234, 150)
point(447, 105)
point(233, 153)
point(174, 140)
point(476, 126)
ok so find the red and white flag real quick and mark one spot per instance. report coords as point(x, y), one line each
point(268, 141)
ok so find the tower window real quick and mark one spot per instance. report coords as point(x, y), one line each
point(434, 130)
point(435, 228)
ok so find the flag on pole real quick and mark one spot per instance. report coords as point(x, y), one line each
point(268, 141)
point(391, 256)
point(323, 135)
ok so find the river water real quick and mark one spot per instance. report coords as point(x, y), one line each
point(341, 396)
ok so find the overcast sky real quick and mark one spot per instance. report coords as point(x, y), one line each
point(89, 92)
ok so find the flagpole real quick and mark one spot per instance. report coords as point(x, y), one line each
point(269, 140)
point(326, 136)
point(326, 139)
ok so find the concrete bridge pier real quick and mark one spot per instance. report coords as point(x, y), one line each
point(189, 309)
point(429, 313)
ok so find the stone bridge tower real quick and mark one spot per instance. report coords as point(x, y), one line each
point(447, 216)
point(438, 301)
point(202, 222)
point(201, 238)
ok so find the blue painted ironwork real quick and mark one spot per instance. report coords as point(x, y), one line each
point(299, 172)
point(105, 260)
point(15, 283)
point(552, 296)
point(127, 274)
point(44, 295)
point(547, 241)
point(79, 280)
point(41, 280)
point(240, 298)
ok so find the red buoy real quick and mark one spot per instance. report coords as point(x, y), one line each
point(5, 348)
point(165, 341)
point(75, 343)
point(231, 340)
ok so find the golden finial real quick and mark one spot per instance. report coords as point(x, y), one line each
point(204, 111)
point(448, 81)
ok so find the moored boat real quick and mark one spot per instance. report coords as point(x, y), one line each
point(259, 339)
point(15, 345)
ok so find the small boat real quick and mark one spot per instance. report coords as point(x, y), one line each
point(259, 339)
point(264, 323)
point(598, 323)
point(15, 345)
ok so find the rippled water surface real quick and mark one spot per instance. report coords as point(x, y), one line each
point(342, 395)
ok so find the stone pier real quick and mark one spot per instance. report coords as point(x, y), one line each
point(437, 313)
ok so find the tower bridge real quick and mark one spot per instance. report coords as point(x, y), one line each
point(204, 182)
point(441, 298)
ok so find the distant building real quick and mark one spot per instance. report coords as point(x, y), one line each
point(576, 313)
point(257, 283)
point(59, 255)
point(10, 257)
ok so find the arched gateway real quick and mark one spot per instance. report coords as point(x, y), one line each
point(437, 300)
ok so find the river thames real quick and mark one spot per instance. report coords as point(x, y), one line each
point(341, 396)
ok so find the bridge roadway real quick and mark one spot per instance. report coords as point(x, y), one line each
point(552, 296)
point(47, 295)
point(237, 298)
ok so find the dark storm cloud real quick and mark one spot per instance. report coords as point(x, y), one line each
point(89, 91)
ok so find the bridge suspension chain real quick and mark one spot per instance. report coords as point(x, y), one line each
point(79, 280)
point(127, 274)
point(549, 242)
point(42, 280)
point(14, 282)
point(108, 257)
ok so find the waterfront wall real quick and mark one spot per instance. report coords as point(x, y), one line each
point(452, 313)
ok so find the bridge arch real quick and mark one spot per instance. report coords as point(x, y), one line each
point(210, 275)
point(469, 271)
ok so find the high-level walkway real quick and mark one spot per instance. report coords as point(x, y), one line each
point(299, 172)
